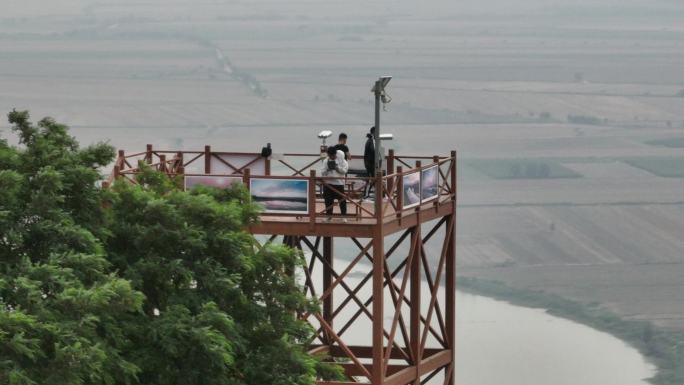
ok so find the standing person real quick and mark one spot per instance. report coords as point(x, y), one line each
point(342, 146)
point(334, 166)
point(369, 160)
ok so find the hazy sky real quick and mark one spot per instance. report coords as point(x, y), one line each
point(14, 8)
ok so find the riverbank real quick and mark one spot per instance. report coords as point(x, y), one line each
point(663, 348)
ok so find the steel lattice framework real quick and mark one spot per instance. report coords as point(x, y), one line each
point(388, 290)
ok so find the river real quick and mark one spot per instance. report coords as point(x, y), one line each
point(498, 343)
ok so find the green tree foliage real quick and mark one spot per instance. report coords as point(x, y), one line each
point(190, 256)
point(60, 307)
point(139, 283)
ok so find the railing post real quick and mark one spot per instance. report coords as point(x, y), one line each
point(379, 196)
point(179, 162)
point(207, 159)
point(179, 169)
point(148, 154)
point(453, 175)
point(400, 192)
point(312, 198)
point(121, 160)
point(436, 161)
point(419, 164)
point(181, 180)
point(162, 163)
point(117, 171)
point(246, 174)
point(390, 167)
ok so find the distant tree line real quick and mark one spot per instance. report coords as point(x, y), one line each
point(522, 168)
point(584, 119)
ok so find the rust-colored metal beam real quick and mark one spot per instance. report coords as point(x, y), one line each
point(365, 352)
point(302, 226)
point(360, 285)
point(328, 282)
point(398, 302)
point(434, 333)
point(336, 383)
point(428, 365)
point(328, 269)
point(431, 287)
point(438, 274)
point(352, 370)
point(343, 346)
point(451, 279)
point(363, 308)
point(378, 373)
point(321, 349)
point(415, 308)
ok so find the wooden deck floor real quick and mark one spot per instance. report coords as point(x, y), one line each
point(353, 224)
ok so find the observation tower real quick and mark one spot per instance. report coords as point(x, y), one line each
point(384, 273)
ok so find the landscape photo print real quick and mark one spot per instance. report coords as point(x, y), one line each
point(281, 196)
point(411, 189)
point(217, 181)
point(429, 184)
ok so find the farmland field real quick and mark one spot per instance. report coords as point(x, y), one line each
point(522, 169)
point(497, 85)
point(665, 167)
point(671, 142)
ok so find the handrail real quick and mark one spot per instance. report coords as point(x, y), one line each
point(392, 194)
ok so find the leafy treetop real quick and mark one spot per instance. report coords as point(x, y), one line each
point(137, 284)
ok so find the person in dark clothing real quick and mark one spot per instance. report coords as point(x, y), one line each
point(342, 146)
point(369, 159)
point(334, 166)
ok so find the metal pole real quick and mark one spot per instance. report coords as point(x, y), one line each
point(378, 150)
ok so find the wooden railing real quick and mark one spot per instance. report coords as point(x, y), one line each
point(305, 167)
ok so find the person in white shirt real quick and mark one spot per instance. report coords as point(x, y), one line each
point(334, 165)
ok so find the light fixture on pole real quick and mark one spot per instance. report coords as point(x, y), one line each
point(380, 96)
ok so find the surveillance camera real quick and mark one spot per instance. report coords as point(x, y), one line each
point(324, 134)
point(386, 136)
